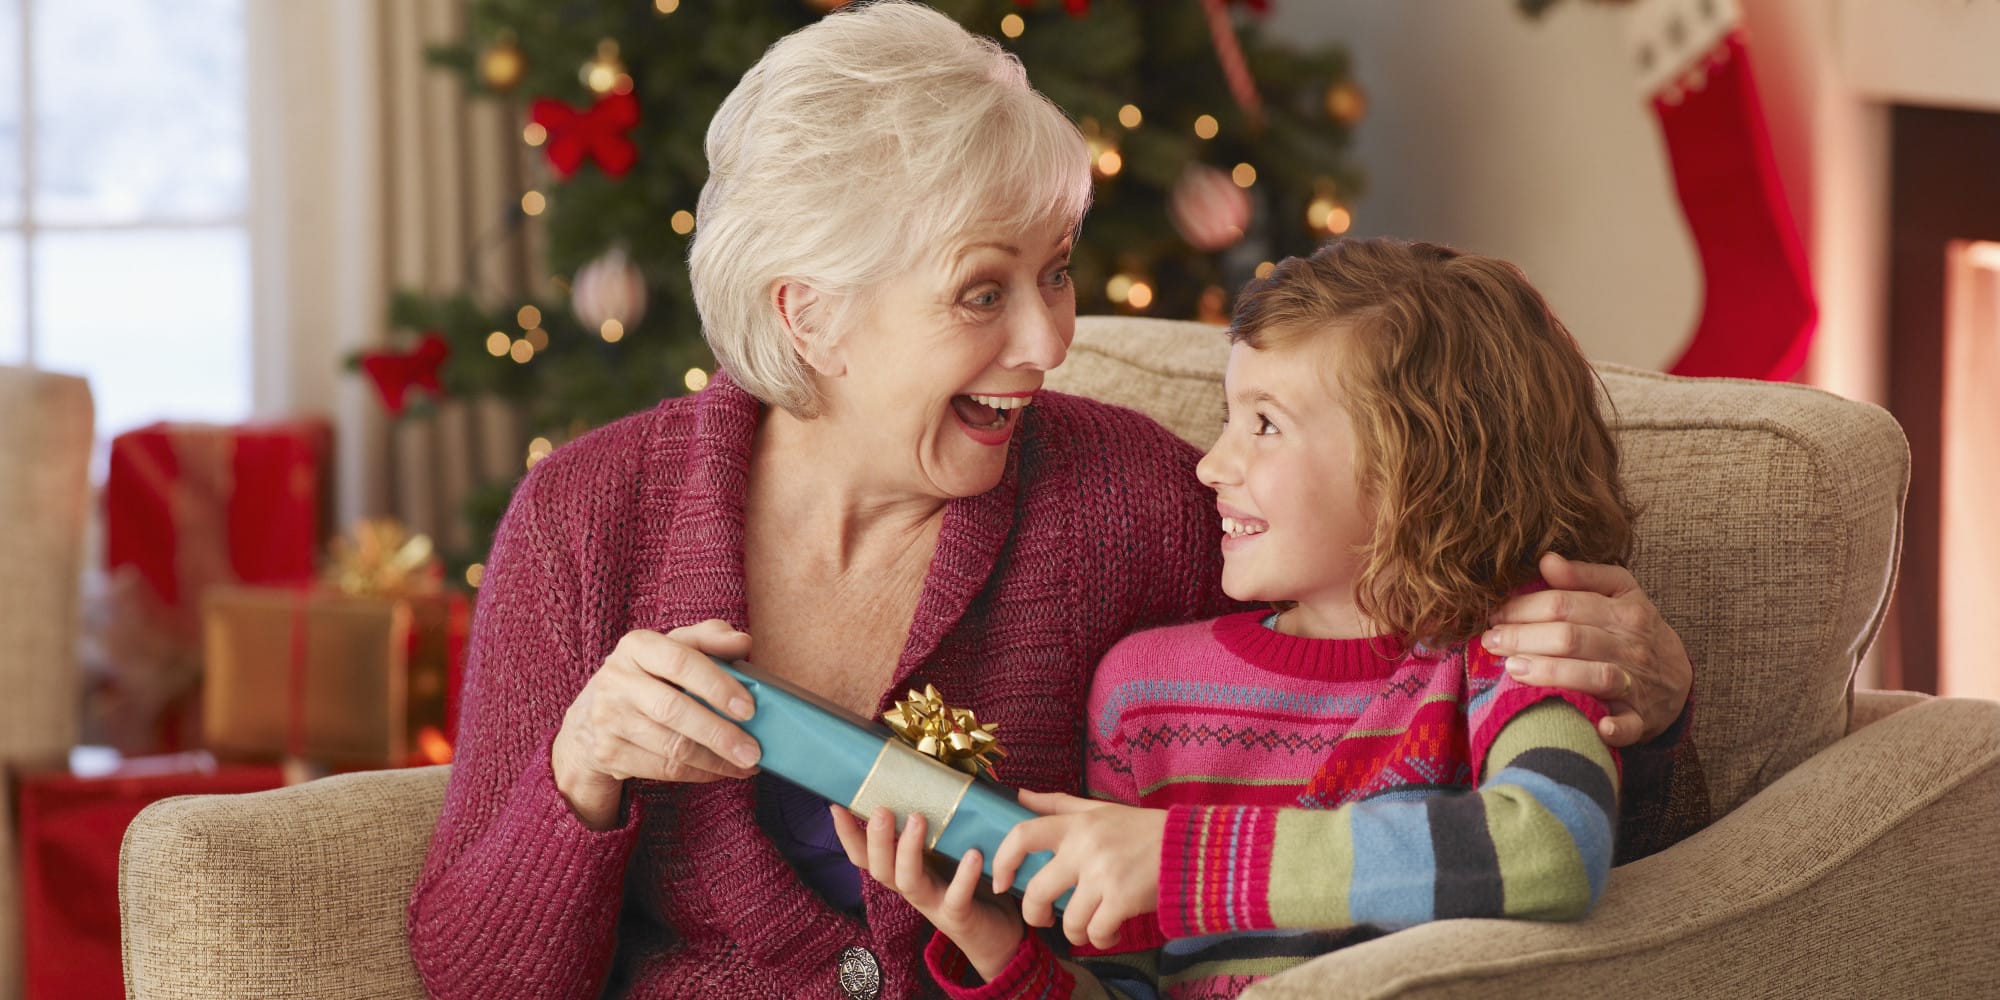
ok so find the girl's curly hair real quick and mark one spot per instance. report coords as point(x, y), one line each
point(1481, 444)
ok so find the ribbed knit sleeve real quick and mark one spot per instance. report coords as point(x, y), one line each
point(1037, 973)
point(1533, 841)
point(518, 898)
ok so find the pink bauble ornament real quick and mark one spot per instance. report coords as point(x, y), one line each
point(609, 289)
point(1208, 209)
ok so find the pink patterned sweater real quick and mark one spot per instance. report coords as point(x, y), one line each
point(1432, 787)
point(1097, 529)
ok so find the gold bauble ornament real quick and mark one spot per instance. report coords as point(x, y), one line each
point(1346, 103)
point(605, 73)
point(502, 65)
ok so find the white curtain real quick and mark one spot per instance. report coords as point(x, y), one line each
point(372, 172)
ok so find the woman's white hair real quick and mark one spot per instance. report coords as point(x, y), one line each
point(854, 147)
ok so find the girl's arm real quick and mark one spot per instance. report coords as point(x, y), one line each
point(1533, 841)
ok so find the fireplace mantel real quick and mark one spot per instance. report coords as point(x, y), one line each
point(1936, 53)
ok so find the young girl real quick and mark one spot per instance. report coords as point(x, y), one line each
point(1406, 428)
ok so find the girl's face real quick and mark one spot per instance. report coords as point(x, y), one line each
point(1295, 525)
point(939, 363)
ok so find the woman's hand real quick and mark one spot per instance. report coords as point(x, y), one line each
point(1110, 853)
point(987, 929)
point(1594, 631)
point(637, 718)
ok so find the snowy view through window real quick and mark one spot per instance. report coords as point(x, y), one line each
point(123, 189)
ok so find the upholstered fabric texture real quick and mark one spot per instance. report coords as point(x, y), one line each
point(45, 435)
point(1847, 864)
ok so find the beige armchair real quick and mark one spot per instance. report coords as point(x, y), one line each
point(1853, 856)
point(45, 436)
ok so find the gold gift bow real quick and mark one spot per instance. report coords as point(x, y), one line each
point(952, 735)
point(383, 559)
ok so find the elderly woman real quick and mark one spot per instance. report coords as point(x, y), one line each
point(876, 490)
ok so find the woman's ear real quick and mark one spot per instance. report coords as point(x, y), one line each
point(803, 311)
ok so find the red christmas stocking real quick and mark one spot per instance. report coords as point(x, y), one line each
point(1757, 312)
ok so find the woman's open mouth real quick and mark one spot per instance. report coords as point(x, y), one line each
point(989, 419)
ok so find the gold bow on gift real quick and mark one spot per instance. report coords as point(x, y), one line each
point(383, 559)
point(952, 735)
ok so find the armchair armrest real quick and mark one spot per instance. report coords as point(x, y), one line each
point(1866, 871)
point(298, 892)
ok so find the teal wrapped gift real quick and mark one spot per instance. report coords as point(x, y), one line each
point(849, 760)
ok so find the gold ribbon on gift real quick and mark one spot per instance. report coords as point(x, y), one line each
point(954, 736)
point(382, 558)
point(906, 777)
point(911, 783)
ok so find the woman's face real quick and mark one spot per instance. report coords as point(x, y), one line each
point(940, 361)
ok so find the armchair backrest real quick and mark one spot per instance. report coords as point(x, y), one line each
point(1770, 526)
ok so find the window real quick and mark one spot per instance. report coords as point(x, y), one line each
point(124, 247)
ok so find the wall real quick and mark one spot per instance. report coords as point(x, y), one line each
point(1523, 139)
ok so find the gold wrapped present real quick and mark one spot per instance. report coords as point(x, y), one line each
point(326, 676)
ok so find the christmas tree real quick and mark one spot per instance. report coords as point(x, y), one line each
point(1216, 150)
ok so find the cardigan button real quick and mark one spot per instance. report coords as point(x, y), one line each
point(860, 974)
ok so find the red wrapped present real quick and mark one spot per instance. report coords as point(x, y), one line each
point(334, 677)
point(190, 505)
point(70, 831)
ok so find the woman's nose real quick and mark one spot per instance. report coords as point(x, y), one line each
point(1038, 340)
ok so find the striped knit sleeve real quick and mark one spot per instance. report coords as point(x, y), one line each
point(1037, 973)
point(1533, 841)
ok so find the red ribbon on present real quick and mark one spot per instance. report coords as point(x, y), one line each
point(596, 133)
point(394, 374)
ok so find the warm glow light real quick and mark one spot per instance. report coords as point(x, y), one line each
point(1244, 175)
point(533, 203)
point(1129, 116)
point(534, 134)
point(666, 6)
point(1338, 220)
point(1118, 288)
point(521, 351)
point(612, 331)
point(1264, 270)
point(538, 449)
point(432, 746)
point(474, 574)
point(529, 317)
point(682, 221)
point(1141, 295)
point(497, 343)
point(1012, 26)
point(622, 85)
point(696, 380)
point(1109, 163)
point(537, 338)
point(1206, 127)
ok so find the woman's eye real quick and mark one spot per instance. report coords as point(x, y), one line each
point(1059, 277)
point(986, 299)
point(1264, 425)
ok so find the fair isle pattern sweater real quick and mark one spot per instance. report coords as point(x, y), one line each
point(1431, 787)
point(640, 525)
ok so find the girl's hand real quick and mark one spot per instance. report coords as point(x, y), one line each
point(1110, 853)
point(987, 929)
point(1596, 632)
point(636, 718)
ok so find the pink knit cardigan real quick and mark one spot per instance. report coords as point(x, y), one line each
point(1097, 528)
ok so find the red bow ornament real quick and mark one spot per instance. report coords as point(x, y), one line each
point(596, 133)
point(394, 374)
